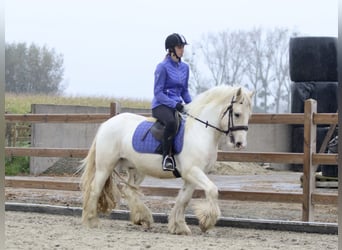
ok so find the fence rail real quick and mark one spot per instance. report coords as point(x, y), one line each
point(309, 158)
point(318, 118)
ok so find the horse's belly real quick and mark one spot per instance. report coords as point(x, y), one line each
point(148, 164)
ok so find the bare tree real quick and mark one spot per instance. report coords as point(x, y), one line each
point(197, 82)
point(257, 58)
point(253, 60)
point(223, 54)
point(262, 50)
point(280, 62)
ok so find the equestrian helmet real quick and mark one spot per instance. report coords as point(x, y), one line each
point(174, 40)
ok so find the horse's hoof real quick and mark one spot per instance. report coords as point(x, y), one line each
point(185, 233)
point(203, 228)
point(146, 225)
point(92, 223)
point(184, 230)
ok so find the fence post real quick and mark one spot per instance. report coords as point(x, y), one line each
point(309, 171)
point(9, 134)
point(114, 108)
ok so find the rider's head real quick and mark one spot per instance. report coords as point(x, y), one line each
point(175, 40)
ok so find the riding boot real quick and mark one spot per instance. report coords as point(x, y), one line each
point(168, 161)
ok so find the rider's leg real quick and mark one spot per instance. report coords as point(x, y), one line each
point(168, 163)
point(166, 115)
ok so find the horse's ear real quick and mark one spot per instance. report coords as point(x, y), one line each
point(251, 94)
point(238, 93)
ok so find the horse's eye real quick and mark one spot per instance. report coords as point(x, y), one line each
point(237, 115)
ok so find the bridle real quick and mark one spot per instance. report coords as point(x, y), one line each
point(231, 128)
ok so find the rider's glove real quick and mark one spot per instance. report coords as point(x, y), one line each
point(180, 107)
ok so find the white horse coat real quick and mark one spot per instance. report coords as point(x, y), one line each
point(226, 109)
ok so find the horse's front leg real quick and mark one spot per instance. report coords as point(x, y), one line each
point(177, 224)
point(207, 212)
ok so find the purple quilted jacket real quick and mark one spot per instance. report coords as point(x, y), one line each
point(171, 83)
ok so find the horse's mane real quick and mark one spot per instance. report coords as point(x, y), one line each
point(216, 96)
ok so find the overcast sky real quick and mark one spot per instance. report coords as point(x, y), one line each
point(111, 47)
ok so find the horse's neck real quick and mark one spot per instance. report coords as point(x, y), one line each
point(200, 130)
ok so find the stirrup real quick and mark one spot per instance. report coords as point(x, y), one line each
point(168, 163)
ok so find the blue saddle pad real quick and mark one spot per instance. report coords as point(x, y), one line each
point(146, 143)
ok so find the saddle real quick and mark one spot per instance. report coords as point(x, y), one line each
point(148, 136)
point(157, 131)
point(158, 128)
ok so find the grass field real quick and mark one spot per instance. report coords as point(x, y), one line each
point(21, 104)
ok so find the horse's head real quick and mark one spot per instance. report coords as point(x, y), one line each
point(226, 109)
point(235, 118)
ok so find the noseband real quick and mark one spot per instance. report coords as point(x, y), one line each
point(231, 128)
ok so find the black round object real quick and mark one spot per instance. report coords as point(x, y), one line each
point(313, 59)
point(325, 93)
point(331, 170)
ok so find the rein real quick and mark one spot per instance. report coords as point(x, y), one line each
point(207, 124)
point(231, 126)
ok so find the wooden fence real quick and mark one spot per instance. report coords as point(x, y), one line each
point(17, 134)
point(309, 158)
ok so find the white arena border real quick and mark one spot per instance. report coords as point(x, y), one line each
point(278, 225)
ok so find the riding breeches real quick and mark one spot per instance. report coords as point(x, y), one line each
point(167, 117)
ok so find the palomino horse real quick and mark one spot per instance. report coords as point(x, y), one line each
point(219, 110)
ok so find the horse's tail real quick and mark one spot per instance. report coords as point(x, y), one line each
point(88, 167)
point(110, 194)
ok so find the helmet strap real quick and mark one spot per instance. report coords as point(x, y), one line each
point(172, 52)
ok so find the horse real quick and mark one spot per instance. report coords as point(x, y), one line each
point(218, 111)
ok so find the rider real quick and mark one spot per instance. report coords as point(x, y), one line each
point(170, 91)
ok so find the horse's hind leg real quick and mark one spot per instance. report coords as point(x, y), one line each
point(177, 224)
point(90, 204)
point(100, 195)
point(140, 214)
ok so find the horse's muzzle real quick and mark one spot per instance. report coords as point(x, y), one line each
point(238, 145)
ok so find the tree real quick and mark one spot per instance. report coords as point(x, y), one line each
point(223, 57)
point(197, 82)
point(255, 59)
point(280, 58)
point(262, 48)
point(269, 68)
point(33, 69)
